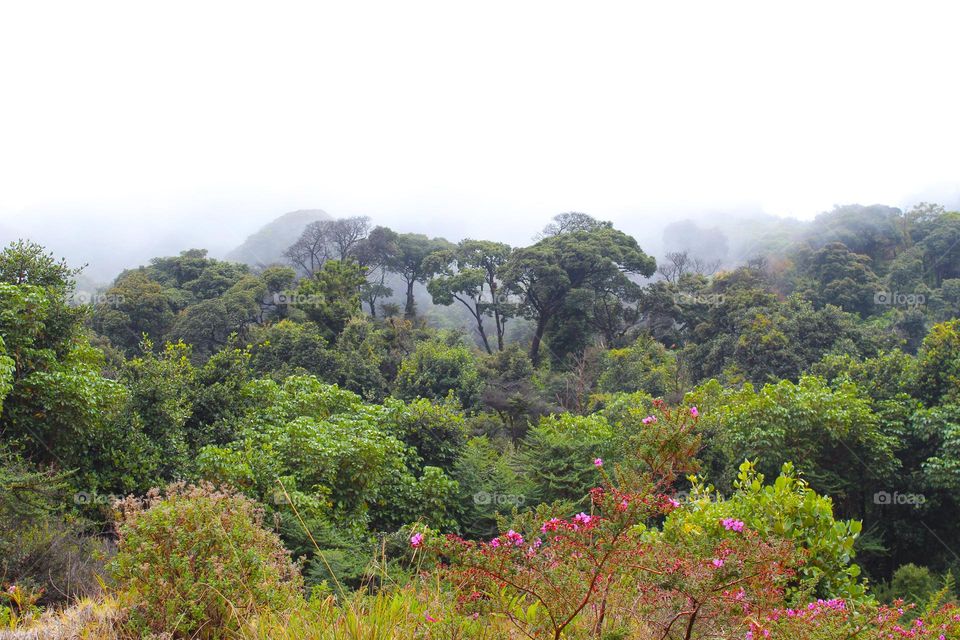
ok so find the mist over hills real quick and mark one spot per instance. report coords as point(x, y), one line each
point(108, 242)
point(267, 245)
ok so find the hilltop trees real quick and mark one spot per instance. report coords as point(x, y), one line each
point(559, 279)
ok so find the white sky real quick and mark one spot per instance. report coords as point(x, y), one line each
point(486, 113)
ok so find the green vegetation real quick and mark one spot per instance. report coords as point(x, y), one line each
point(571, 444)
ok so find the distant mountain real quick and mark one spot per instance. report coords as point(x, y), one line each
point(267, 245)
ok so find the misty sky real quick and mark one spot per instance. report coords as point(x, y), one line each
point(161, 121)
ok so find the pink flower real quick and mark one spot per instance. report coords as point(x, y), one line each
point(515, 538)
point(429, 618)
point(416, 540)
point(732, 524)
point(495, 542)
point(550, 525)
point(598, 462)
point(649, 420)
point(694, 412)
point(674, 503)
point(582, 518)
point(717, 562)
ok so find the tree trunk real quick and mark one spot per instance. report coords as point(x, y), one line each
point(537, 337)
point(483, 334)
point(409, 310)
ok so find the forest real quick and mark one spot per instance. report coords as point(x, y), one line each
point(380, 434)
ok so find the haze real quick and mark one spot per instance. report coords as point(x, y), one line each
point(128, 130)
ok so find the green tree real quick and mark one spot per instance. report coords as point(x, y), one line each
point(557, 456)
point(332, 297)
point(581, 263)
point(825, 432)
point(134, 307)
point(471, 275)
point(938, 364)
point(436, 369)
point(58, 408)
point(410, 262)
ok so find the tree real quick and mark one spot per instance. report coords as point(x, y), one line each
point(470, 274)
point(680, 263)
point(347, 234)
point(577, 262)
point(26, 262)
point(938, 370)
point(572, 221)
point(332, 297)
point(555, 456)
point(311, 249)
point(410, 262)
point(58, 409)
point(324, 240)
point(825, 433)
point(136, 305)
point(375, 253)
point(842, 278)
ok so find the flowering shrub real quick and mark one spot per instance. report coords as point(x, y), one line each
point(197, 561)
point(787, 509)
point(715, 569)
point(832, 619)
point(608, 567)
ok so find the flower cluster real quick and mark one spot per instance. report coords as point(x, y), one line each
point(732, 524)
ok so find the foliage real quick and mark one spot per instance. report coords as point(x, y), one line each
point(825, 432)
point(210, 563)
point(437, 369)
point(787, 509)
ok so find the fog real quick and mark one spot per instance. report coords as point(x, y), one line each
point(129, 131)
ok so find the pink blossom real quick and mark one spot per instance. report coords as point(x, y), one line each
point(550, 525)
point(416, 540)
point(717, 562)
point(732, 524)
point(694, 412)
point(649, 420)
point(429, 618)
point(515, 538)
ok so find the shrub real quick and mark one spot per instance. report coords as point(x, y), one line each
point(44, 552)
point(197, 561)
point(914, 584)
point(435, 369)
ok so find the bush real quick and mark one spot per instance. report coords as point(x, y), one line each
point(197, 561)
point(435, 369)
point(44, 552)
point(911, 583)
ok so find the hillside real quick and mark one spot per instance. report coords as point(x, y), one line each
point(267, 245)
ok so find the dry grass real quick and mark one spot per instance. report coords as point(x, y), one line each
point(86, 620)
